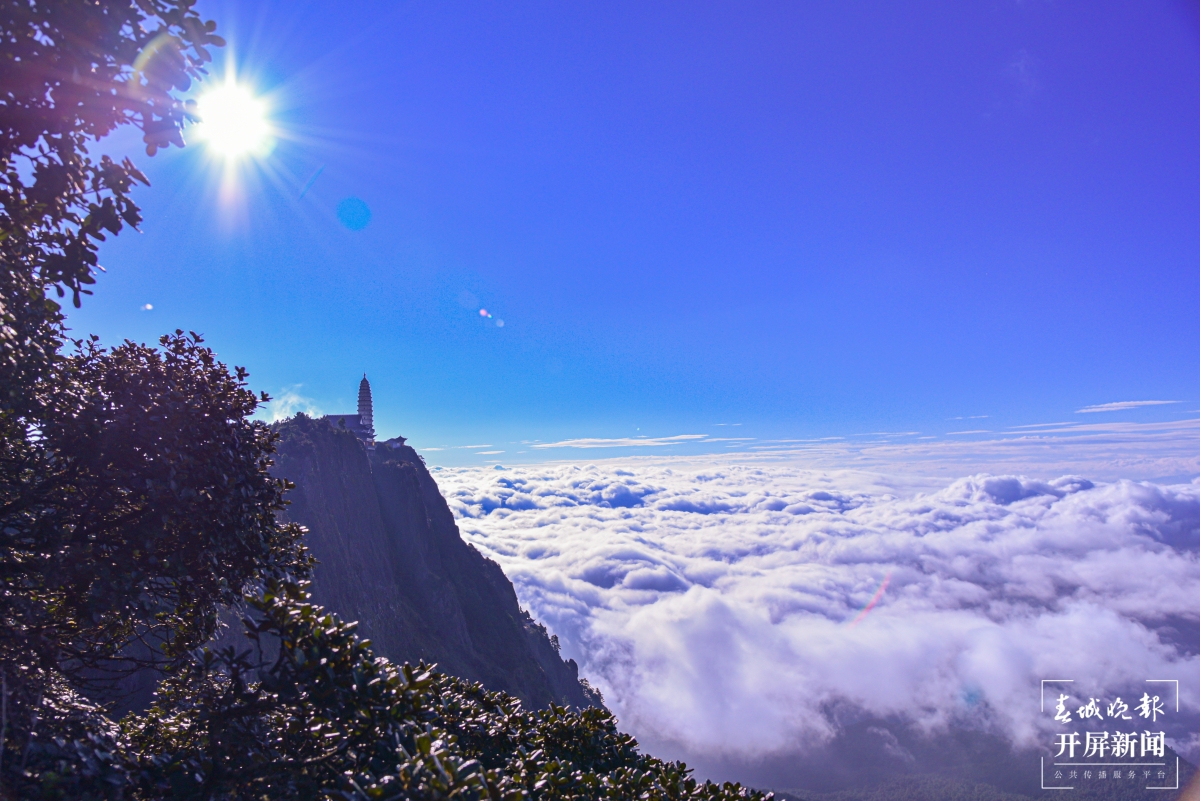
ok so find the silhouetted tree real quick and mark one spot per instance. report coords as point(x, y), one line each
point(134, 497)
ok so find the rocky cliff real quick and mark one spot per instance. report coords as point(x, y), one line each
point(390, 556)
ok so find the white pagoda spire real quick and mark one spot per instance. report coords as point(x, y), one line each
point(366, 412)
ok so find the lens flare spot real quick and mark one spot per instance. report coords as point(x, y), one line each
point(484, 313)
point(354, 213)
point(499, 323)
point(148, 307)
point(312, 181)
point(866, 610)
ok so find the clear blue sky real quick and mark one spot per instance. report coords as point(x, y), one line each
point(812, 219)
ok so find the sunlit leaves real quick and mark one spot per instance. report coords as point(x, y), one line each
point(72, 72)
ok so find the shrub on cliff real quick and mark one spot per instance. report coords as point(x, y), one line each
point(310, 712)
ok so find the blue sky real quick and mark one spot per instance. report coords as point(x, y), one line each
point(809, 219)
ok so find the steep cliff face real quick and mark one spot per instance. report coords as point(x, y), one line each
point(390, 556)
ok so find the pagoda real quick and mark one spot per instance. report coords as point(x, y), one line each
point(362, 425)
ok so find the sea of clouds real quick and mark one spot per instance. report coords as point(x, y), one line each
point(718, 601)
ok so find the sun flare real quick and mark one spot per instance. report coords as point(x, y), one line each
point(233, 122)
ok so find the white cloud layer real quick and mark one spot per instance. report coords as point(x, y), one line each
point(710, 597)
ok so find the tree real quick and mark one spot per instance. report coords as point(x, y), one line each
point(134, 497)
point(70, 73)
point(143, 508)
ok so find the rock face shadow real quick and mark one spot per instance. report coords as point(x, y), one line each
point(390, 557)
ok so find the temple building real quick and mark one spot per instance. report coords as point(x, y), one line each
point(362, 425)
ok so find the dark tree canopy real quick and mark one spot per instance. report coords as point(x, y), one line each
point(150, 509)
point(137, 512)
point(135, 502)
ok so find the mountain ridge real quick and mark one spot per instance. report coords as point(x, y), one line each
point(390, 556)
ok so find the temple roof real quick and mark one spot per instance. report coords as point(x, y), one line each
point(362, 425)
point(353, 424)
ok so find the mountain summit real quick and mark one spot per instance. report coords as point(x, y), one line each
point(390, 556)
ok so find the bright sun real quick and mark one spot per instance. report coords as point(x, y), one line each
point(233, 122)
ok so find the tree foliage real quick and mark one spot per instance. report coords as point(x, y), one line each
point(72, 71)
point(310, 712)
point(136, 508)
point(148, 507)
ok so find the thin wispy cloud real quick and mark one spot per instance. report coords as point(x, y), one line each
point(625, 442)
point(286, 404)
point(1109, 450)
point(1125, 448)
point(1022, 72)
point(1043, 425)
point(1116, 427)
point(1121, 406)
